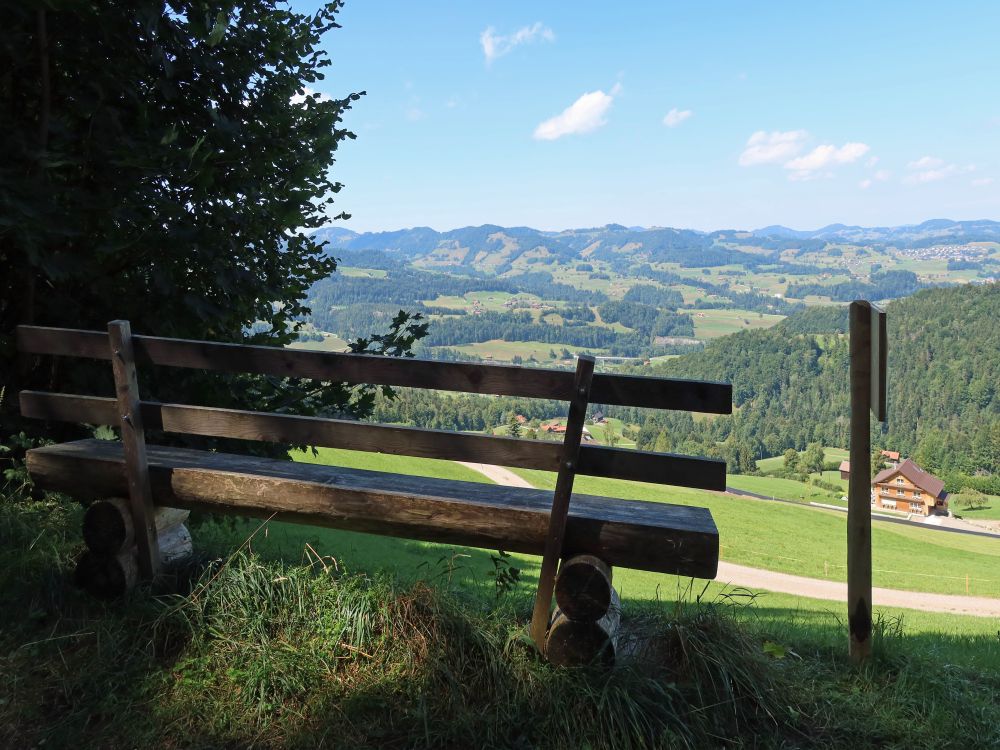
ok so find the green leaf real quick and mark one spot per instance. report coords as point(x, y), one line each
point(219, 30)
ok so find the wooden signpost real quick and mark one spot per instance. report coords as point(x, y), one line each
point(869, 349)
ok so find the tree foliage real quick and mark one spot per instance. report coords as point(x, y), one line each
point(163, 162)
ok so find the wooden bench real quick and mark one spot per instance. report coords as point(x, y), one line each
point(595, 532)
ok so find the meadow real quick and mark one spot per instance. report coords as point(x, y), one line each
point(773, 536)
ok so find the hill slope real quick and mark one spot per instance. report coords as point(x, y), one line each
point(790, 383)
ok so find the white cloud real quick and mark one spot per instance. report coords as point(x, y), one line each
point(584, 115)
point(828, 155)
point(931, 169)
point(497, 45)
point(771, 148)
point(926, 162)
point(872, 161)
point(675, 117)
point(308, 93)
point(982, 182)
point(880, 175)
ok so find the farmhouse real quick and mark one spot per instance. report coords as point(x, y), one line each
point(909, 488)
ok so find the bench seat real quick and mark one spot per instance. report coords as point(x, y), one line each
point(658, 537)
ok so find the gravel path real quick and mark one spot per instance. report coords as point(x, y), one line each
point(498, 474)
point(815, 588)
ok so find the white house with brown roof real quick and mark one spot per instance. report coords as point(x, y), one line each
point(908, 488)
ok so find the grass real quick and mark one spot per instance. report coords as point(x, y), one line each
point(784, 489)
point(808, 541)
point(713, 323)
point(330, 343)
point(778, 462)
point(270, 654)
point(506, 350)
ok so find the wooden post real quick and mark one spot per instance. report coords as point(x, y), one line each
point(868, 393)
point(561, 497)
point(134, 441)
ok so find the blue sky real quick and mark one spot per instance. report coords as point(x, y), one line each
point(705, 115)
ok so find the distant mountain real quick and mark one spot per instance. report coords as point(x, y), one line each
point(494, 248)
point(932, 232)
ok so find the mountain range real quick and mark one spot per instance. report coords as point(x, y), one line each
point(490, 245)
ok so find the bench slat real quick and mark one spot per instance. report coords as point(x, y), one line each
point(615, 463)
point(632, 534)
point(503, 380)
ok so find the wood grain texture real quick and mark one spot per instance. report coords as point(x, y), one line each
point(583, 588)
point(108, 528)
point(859, 517)
point(616, 463)
point(466, 377)
point(134, 444)
point(561, 498)
point(576, 643)
point(633, 534)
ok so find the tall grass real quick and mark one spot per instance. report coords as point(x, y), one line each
point(266, 654)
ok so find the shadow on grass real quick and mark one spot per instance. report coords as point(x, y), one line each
point(270, 654)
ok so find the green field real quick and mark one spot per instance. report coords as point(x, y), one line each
point(710, 324)
point(505, 351)
point(370, 273)
point(777, 462)
point(766, 535)
point(784, 489)
point(330, 343)
point(775, 536)
point(809, 541)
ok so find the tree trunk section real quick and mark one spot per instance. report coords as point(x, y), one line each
point(571, 643)
point(583, 588)
point(107, 524)
point(107, 576)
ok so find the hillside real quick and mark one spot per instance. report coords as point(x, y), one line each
point(790, 382)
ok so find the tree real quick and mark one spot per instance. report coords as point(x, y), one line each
point(163, 163)
point(611, 437)
point(812, 460)
point(663, 443)
point(878, 461)
point(791, 459)
point(513, 426)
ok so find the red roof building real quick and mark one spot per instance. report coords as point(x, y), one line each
point(909, 488)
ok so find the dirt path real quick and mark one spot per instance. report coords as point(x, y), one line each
point(815, 588)
point(498, 474)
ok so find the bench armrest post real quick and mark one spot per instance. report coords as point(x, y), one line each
point(134, 443)
point(561, 497)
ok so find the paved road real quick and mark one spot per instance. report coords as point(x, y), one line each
point(815, 588)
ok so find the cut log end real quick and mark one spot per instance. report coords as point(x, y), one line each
point(573, 644)
point(583, 588)
point(106, 576)
point(107, 524)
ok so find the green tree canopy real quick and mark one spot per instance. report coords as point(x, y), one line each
point(163, 162)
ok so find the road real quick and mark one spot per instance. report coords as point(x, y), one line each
point(953, 525)
point(814, 588)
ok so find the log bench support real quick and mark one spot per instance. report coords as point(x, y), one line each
point(583, 629)
point(109, 567)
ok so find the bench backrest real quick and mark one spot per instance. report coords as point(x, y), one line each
point(467, 377)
